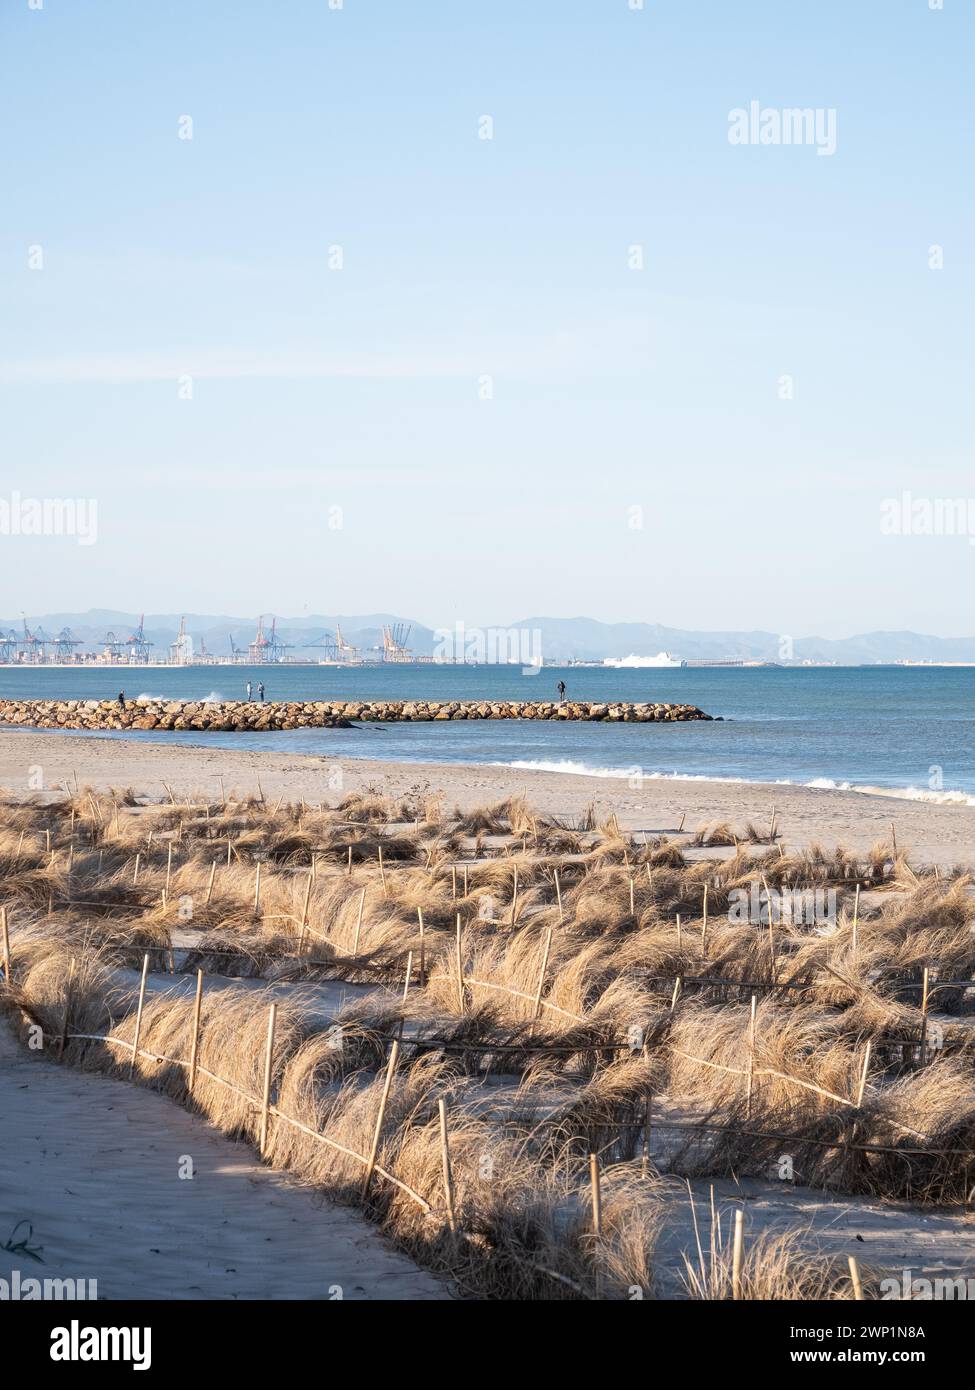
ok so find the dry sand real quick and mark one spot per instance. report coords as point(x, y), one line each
point(93, 1164)
point(942, 834)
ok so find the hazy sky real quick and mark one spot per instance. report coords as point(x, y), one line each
point(338, 452)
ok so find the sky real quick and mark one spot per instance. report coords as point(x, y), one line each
point(310, 342)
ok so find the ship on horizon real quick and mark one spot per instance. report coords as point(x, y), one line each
point(661, 659)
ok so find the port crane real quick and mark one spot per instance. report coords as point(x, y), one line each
point(267, 647)
point(64, 645)
point(395, 638)
point(334, 648)
point(139, 644)
point(181, 651)
point(33, 645)
point(112, 647)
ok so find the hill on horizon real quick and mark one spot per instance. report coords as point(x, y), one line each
point(562, 639)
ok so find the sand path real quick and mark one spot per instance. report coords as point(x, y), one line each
point(93, 1164)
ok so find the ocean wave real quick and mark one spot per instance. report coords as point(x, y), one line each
point(214, 697)
point(634, 774)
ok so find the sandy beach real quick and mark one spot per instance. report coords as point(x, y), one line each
point(934, 833)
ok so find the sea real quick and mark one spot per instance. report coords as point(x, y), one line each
point(907, 730)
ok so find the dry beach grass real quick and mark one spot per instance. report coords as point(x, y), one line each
point(531, 1002)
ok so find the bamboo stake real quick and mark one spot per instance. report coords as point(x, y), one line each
point(169, 866)
point(68, 990)
point(597, 1201)
point(673, 997)
point(632, 900)
point(855, 1278)
point(856, 918)
point(893, 838)
point(423, 960)
point(266, 1096)
point(358, 925)
point(863, 1074)
point(138, 1015)
point(771, 830)
point(681, 826)
point(6, 946)
point(257, 890)
point(460, 971)
point(558, 897)
point(751, 1061)
point(382, 872)
point(377, 1132)
point(304, 915)
point(453, 881)
point(514, 896)
point(680, 939)
point(195, 1045)
point(541, 974)
point(924, 1018)
point(737, 1253)
point(771, 927)
point(349, 870)
point(647, 1121)
point(213, 874)
point(448, 1181)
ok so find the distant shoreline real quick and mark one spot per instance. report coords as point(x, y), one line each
point(935, 833)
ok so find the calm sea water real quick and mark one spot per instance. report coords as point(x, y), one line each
point(910, 728)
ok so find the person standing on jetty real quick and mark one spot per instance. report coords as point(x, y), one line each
point(260, 692)
point(561, 689)
point(121, 699)
point(249, 688)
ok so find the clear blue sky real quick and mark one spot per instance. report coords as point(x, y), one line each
point(357, 389)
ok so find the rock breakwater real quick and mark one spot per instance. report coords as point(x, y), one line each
point(253, 716)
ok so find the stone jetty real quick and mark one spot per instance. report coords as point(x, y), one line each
point(253, 716)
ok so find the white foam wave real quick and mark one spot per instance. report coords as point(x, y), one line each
point(213, 698)
point(635, 775)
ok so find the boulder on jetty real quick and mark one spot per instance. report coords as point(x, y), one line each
point(241, 716)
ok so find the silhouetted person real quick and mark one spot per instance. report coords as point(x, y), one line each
point(561, 692)
point(260, 692)
point(121, 699)
point(249, 688)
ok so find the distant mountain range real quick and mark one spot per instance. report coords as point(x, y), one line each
point(562, 639)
